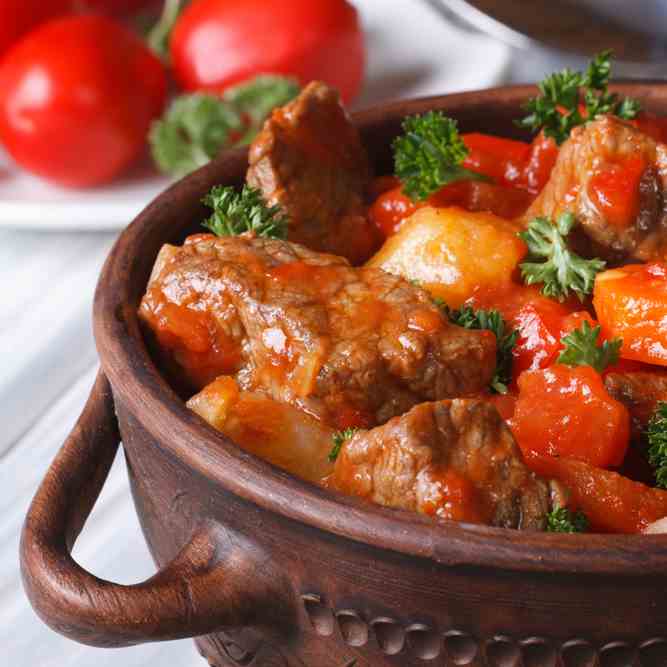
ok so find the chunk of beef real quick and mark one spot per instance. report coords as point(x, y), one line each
point(598, 152)
point(309, 159)
point(352, 346)
point(451, 459)
point(640, 392)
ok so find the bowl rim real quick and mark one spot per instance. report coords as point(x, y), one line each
point(184, 435)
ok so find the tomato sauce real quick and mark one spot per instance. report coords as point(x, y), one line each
point(449, 495)
point(503, 160)
point(615, 190)
point(517, 171)
point(563, 411)
point(199, 345)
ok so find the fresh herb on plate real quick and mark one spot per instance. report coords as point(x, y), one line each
point(562, 271)
point(559, 107)
point(235, 213)
point(338, 439)
point(429, 155)
point(582, 349)
point(657, 440)
point(192, 132)
point(197, 126)
point(564, 520)
point(255, 98)
point(490, 320)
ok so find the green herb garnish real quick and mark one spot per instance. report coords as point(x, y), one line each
point(564, 520)
point(338, 439)
point(490, 320)
point(197, 126)
point(562, 271)
point(582, 349)
point(235, 213)
point(557, 109)
point(657, 440)
point(192, 132)
point(256, 98)
point(429, 155)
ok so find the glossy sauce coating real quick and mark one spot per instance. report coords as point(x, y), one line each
point(451, 459)
point(631, 303)
point(564, 411)
point(451, 252)
point(612, 503)
point(350, 346)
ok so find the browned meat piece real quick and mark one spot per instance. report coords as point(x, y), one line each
point(594, 154)
point(309, 159)
point(352, 346)
point(640, 392)
point(451, 459)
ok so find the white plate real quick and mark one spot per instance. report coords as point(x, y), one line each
point(27, 202)
point(411, 50)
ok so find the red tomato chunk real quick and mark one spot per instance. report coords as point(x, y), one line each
point(541, 323)
point(563, 411)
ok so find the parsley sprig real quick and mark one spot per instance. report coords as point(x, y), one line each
point(556, 110)
point(192, 132)
point(429, 154)
point(582, 349)
point(657, 440)
point(197, 126)
point(338, 439)
point(562, 271)
point(235, 213)
point(256, 98)
point(491, 320)
point(564, 520)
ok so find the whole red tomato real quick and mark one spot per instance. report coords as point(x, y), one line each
point(216, 43)
point(17, 17)
point(77, 97)
point(117, 7)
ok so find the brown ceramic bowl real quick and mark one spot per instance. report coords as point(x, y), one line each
point(265, 569)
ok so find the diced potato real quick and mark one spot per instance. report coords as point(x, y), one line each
point(631, 303)
point(278, 432)
point(215, 401)
point(451, 252)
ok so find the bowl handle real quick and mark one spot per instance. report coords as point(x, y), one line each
point(217, 580)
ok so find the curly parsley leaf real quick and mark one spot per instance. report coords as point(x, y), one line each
point(582, 349)
point(562, 271)
point(257, 97)
point(338, 439)
point(197, 126)
point(657, 440)
point(564, 520)
point(557, 109)
point(235, 213)
point(192, 132)
point(429, 155)
point(490, 320)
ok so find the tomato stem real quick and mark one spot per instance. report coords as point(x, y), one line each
point(158, 37)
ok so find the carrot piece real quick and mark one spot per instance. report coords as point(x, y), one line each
point(612, 503)
point(563, 411)
point(631, 303)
